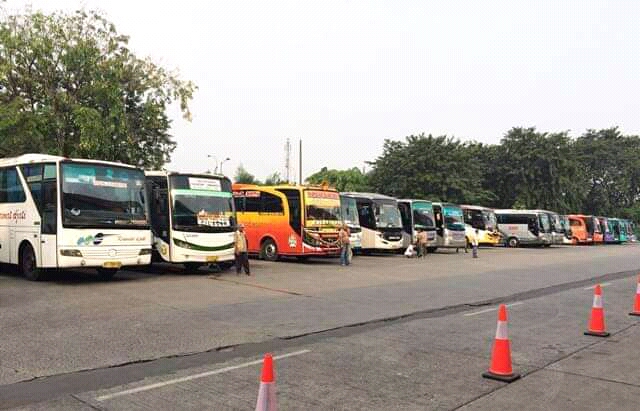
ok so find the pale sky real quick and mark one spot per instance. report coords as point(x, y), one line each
point(345, 75)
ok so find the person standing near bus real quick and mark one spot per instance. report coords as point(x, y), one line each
point(241, 251)
point(345, 242)
point(421, 240)
point(474, 244)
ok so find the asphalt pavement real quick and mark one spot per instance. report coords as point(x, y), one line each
point(387, 333)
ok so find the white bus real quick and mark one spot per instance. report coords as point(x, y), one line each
point(450, 227)
point(57, 212)
point(417, 215)
point(192, 218)
point(349, 210)
point(380, 222)
point(525, 227)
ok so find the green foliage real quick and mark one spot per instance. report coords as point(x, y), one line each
point(274, 179)
point(342, 180)
point(597, 173)
point(244, 177)
point(434, 168)
point(70, 86)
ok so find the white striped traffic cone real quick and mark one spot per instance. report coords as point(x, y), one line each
point(500, 368)
point(267, 400)
point(596, 322)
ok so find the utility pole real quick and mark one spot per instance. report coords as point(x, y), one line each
point(287, 159)
point(300, 162)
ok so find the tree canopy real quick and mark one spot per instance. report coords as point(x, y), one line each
point(343, 180)
point(595, 173)
point(69, 85)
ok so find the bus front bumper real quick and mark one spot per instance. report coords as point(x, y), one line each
point(104, 257)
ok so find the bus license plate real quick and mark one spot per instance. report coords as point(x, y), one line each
point(212, 258)
point(112, 264)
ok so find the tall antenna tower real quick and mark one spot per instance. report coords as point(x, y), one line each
point(287, 160)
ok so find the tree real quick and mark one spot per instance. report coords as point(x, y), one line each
point(612, 166)
point(342, 180)
point(70, 86)
point(433, 168)
point(533, 169)
point(244, 177)
point(274, 179)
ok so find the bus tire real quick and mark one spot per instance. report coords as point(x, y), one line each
point(28, 265)
point(431, 250)
point(513, 242)
point(106, 274)
point(191, 266)
point(269, 250)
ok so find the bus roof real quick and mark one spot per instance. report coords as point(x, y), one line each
point(243, 186)
point(414, 200)
point(475, 207)
point(369, 196)
point(46, 158)
point(165, 173)
point(518, 211)
point(446, 204)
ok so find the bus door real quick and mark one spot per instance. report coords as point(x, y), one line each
point(407, 223)
point(158, 198)
point(43, 185)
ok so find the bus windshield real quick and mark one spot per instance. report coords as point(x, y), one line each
point(200, 205)
point(453, 218)
point(423, 215)
point(349, 210)
point(102, 196)
point(387, 214)
point(322, 207)
point(545, 224)
point(491, 220)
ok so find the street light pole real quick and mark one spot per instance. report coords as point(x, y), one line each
point(222, 162)
point(215, 159)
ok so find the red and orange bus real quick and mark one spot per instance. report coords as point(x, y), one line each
point(586, 229)
point(289, 220)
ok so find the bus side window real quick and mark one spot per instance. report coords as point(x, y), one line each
point(271, 204)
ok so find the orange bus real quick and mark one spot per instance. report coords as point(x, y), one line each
point(586, 229)
point(289, 220)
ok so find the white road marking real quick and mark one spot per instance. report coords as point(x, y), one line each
point(488, 310)
point(593, 286)
point(193, 377)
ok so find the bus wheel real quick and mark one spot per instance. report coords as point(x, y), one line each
point(269, 250)
point(28, 265)
point(106, 274)
point(192, 266)
point(431, 250)
point(513, 242)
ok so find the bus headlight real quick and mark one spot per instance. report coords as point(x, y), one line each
point(70, 253)
point(145, 251)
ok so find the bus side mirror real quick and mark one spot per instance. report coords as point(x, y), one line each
point(232, 221)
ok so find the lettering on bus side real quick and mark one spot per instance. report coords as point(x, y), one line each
point(14, 215)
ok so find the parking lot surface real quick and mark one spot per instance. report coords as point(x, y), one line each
point(385, 333)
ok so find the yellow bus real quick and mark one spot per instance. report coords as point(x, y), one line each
point(485, 221)
point(289, 220)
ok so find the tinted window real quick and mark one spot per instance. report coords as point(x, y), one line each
point(239, 203)
point(11, 190)
point(271, 203)
point(252, 204)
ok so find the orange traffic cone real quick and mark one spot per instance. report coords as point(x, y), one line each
point(596, 323)
point(267, 394)
point(500, 368)
point(636, 307)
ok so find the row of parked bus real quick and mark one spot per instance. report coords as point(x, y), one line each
point(58, 212)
